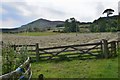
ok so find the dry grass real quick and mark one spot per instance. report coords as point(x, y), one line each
point(58, 39)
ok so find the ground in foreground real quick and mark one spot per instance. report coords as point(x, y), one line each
point(94, 68)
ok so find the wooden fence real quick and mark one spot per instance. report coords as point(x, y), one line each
point(23, 72)
point(102, 49)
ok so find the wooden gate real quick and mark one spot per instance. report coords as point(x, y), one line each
point(92, 49)
point(102, 49)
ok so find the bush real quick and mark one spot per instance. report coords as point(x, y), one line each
point(12, 59)
point(71, 25)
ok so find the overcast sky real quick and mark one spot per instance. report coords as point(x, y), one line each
point(14, 13)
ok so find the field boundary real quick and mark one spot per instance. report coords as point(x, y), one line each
point(103, 49)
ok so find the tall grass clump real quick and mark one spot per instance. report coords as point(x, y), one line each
point(12, 59)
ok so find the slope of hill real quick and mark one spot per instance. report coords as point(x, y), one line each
point(41, 23)
point(102, 24)
point(105, 24)
point(115, 17)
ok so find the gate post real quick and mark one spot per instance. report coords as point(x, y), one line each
point(118, 40)
point(113, 48)
point(105, 49)
point(37, 52)
point(14, 47)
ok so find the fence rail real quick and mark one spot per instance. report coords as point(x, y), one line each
point(23, 71)
point(104, 49)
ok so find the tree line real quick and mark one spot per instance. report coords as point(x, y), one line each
point(104, 25)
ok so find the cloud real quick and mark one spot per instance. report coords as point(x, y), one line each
point(14, 14)
point(54, 11)
point(20, 12)
point(11, 11)
point(8, 23)
point(13, 0)
point(99, 8)
point(119, 7)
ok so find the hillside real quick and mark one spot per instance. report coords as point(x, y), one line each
point(105, 24)
point(102, 24)
point(115, 17)
point(41, 23)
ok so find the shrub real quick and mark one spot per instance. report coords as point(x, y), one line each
point(12, 59)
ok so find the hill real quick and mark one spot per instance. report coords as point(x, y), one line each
point(105, 24)
point(115, 17)
point(102, 24)
point(41, 24)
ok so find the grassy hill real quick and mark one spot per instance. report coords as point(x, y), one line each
point(105, 24)
point(41, 24)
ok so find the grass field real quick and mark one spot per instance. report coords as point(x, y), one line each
point(94, 68)
point(37, 33)
point(41, 33)
point(48, 39)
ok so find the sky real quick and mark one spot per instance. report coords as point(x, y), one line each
point(15, 13)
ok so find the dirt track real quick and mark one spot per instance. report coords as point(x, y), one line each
point(59, 39)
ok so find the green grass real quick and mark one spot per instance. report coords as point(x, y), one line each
point(42, 33)
point(0, 64)
point(37, 33)
point(76, 68)
point(94, 68)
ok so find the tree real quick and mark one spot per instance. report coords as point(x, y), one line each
point(71, 25)
point(102, 25)
point(108, 11)
point(60, 25)
point(118, 17)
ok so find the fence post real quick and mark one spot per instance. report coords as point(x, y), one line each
point(105, 48)
point(113, 48)
point(37, 52)
point(101, 48)
point(118, 44)
point(118, 40)
point(14, 47)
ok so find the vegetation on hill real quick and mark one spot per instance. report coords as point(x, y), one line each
point(40, 25)
point(119, 22)
point(104, 24)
